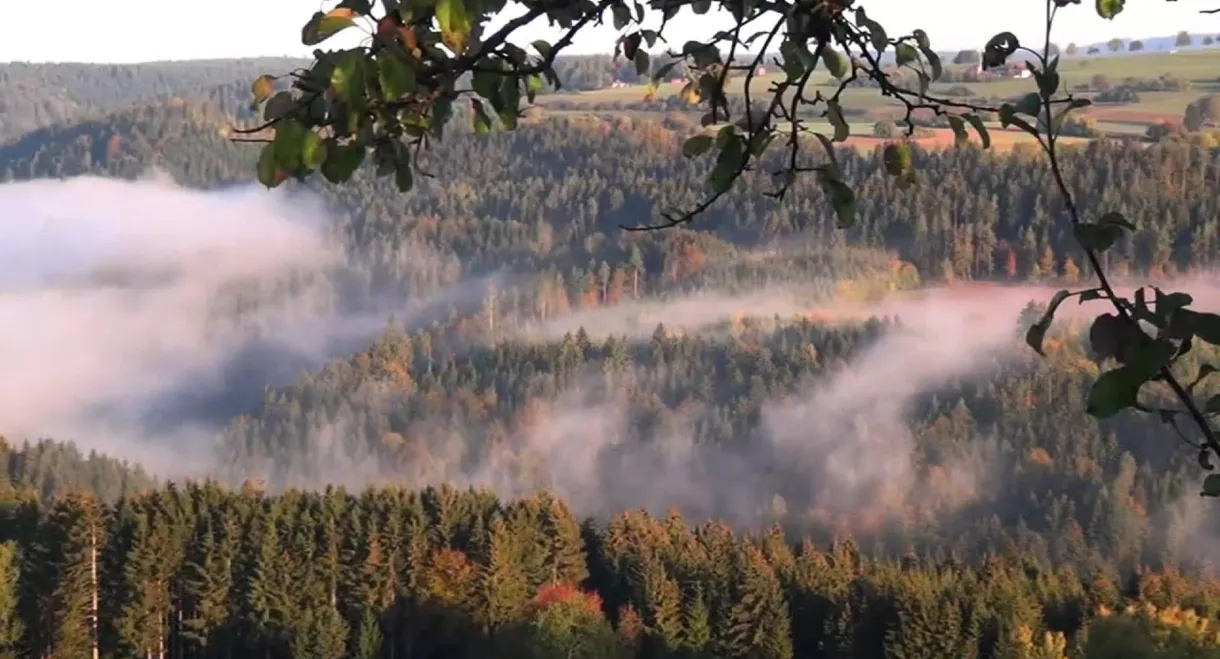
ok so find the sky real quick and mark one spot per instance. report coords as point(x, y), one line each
point(121, 31)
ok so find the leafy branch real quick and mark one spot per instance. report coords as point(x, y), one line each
point(394, 93)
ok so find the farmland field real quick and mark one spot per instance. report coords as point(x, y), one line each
point(1197, 70)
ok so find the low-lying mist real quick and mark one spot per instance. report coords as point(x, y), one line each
point(141, 315)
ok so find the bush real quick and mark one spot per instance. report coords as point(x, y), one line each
point(1121, 94)
point(1075, 126)
point(885, 129)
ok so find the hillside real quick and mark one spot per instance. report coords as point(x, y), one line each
point(385, 416)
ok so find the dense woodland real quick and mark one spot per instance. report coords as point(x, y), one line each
point(713, 530)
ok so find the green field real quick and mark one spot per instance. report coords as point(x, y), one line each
point(1200, 69)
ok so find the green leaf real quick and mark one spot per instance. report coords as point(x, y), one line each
point(510, 95)
point(732, 156)
point(323, 26)
point(267, 166)
point(313, 150)
point(289, 140)
point(1037, 332)
point(905, 53)
point(1114, 218)
point(1109, 8)
point(830, 150)
point(1030, 104)
point(1097, 237)
point(960, 136)
point(543, 47)
point(934, 62)
point(1114, 392)
point(793, 64)
point(642, 62)
point(697, 145)
point(622, 15)
point(442, 110)
point(701, 6)
point(842, 197)
point(487, 85)
point(341, 161)
point(1211, 486)
point(279, 106)
point(1147, 355)
point(395, 77)
point(980, 128)
point(663, 71)
point(1048, 83)
point(835, 62)
point(456, 24)
point(876, 33)
point(1204, 325)
point(404, 178)
point(1213, 405)
point(897, 159)
point(1008, 117)
point(834, 114)
point(1167, 303)
point(262, 88)
point(348, 77)
point(533, 84)
point(999, 48)
point(482, 122)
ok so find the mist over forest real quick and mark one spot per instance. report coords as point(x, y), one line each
point(342, 421)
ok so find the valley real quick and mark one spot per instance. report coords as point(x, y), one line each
point(342, 421)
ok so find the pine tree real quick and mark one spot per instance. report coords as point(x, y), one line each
point(267, 609)
point(504, 589)
point(73, 534)
point(208, 589)
point(697, 628)
point(144, 590)
point(368, 637)
point(565, 548)
point(758, 625)
point(11, 626)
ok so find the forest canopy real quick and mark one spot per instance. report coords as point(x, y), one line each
point(391, 96)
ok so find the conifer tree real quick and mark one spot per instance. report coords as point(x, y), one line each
point(12, 628)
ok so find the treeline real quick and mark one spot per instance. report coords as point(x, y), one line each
point(198, 571)
point(35, 95)
point(45, 470)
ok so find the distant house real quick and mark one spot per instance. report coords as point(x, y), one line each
point(1009, 70)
